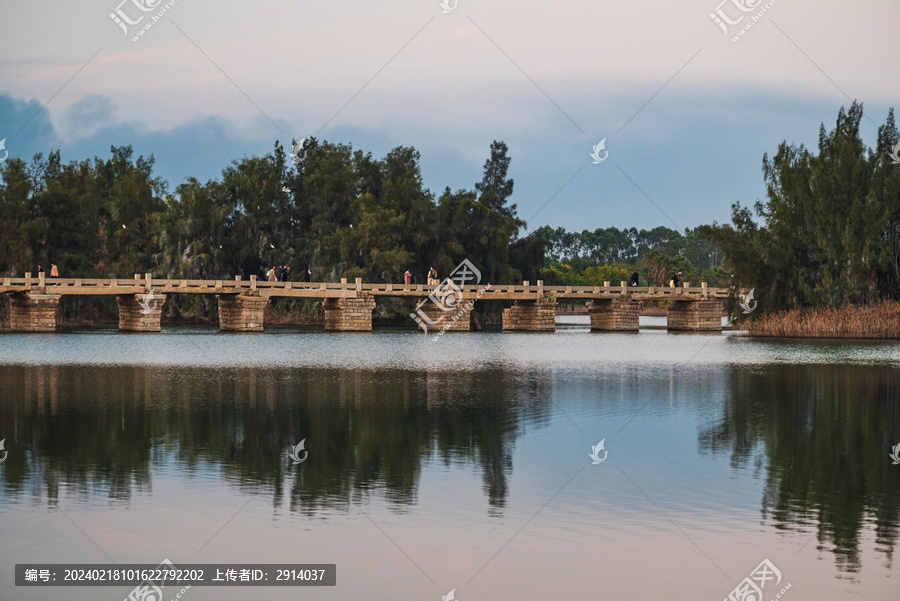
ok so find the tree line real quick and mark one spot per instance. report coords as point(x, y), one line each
point(589, 258)
point(337, 213)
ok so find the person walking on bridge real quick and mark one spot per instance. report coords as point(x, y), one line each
point(272, 276)
point(432, 277)
point(54, 271)
point(635, 278)
point(407, 278)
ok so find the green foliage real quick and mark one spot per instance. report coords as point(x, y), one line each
point(830, 231)
point(629, 246)
point(563, 274)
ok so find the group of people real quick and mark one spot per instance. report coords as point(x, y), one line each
point(277, 273)
point(432, 277)
point(54, 270)
point(675, 282)
point(635, 278)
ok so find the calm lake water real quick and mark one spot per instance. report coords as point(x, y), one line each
point(461, 463)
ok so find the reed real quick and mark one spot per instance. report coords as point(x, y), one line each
point(881, 320)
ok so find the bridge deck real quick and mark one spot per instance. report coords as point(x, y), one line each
point(98, 287)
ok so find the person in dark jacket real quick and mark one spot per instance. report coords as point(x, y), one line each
point(635, 278)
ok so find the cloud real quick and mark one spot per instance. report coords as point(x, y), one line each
point(87, 116)
point(26, 127)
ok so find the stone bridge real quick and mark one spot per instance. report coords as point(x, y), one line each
point(34, 302)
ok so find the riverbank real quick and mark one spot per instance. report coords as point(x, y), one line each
point(880, 321)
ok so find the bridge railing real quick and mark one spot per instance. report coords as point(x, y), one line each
point(147, 282)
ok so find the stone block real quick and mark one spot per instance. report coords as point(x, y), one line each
point(242, 312)
point(32, 312)
point(349, 314)
point(531, 316)
point(140, 312)
point(617, 314)
point(694, 316)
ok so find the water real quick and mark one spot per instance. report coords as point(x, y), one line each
point(457, 463)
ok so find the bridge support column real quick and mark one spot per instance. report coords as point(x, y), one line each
point(140, 312)
point(349, 314)
point(33, 312)
point(694, 316)
point(614, 315)
point(241, 312)
point(531, 316)
point(456, 319)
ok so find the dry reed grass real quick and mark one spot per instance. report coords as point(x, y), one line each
point(881, 320)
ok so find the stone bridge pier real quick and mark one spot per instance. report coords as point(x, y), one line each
point(140, 312)
point(694, 316)
point(349, 314)
point(531, 315)
point(34, 312)
point(617, 314)
point(241, 312)
point(456, 319)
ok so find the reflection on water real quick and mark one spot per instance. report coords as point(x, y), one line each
point(105, 426)
point(820, 434)
point(710, 430)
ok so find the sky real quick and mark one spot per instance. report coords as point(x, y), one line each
point(685, 113)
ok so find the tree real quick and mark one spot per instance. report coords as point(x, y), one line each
point(830, 227)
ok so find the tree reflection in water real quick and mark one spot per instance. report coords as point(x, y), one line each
point(99, 429)
point(821, 434)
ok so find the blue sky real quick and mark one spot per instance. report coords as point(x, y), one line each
point(686, 113)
